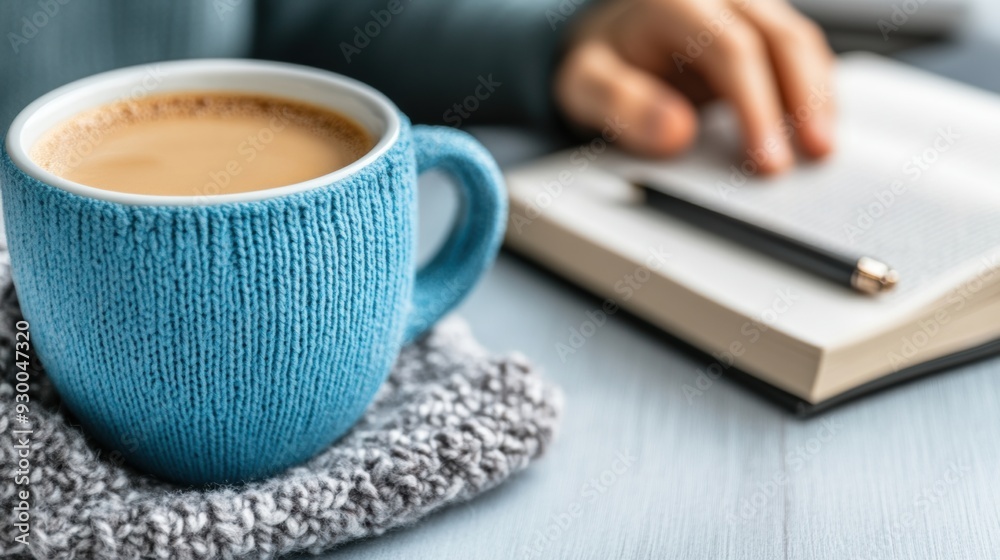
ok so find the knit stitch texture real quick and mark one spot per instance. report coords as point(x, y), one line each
point(224, 343)
point(451, 422)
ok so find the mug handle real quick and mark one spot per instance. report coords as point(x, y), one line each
point(475, 236)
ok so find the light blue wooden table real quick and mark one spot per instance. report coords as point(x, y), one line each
point(641, 471)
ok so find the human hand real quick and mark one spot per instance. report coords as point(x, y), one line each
point(649, 62)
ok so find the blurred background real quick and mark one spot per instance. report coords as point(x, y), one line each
point(83, 38)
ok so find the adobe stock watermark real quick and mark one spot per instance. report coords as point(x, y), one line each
point(819, 97)
point(580, 160)
point(927, 497)
point(794, 461)
point(626, 288)
point(464, 109)
point(913, 170)
point(449, 289)
point(909, 347)
point(248, 150)
point(750, 332)
point(899, 16)
point(589, 493)
point(562, 12)
point(151, 80)
point(365, 33)
point(695, 45)
point(21, 428)
point(225, 7)
point(33, 24)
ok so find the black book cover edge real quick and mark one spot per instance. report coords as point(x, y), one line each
point(803, 408)
point(792, 403)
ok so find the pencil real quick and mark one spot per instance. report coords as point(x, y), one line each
point(858, 272)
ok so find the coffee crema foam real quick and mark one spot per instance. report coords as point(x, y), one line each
point(200, 144)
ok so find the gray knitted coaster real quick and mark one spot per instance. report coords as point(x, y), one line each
point(451, 422)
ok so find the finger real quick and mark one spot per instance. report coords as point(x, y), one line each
point(737, 66)
point(595, 87)
point(803, 64)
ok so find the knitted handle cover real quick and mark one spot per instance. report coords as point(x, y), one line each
point(224, 343)
point(475, 237)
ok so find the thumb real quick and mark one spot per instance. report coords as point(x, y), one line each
point(595, 85)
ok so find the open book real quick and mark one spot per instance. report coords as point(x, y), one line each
point(913, 183)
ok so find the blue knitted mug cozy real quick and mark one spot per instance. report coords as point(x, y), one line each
point(224, 343)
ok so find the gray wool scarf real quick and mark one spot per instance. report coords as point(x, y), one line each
point(451, 422)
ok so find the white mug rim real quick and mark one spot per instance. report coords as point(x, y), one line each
point(121, 79)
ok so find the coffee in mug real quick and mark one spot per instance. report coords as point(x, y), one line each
point(201, 144)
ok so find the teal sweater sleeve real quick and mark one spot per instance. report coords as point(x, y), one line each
point(447, 62)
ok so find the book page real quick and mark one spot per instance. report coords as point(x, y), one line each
point(913, 182)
